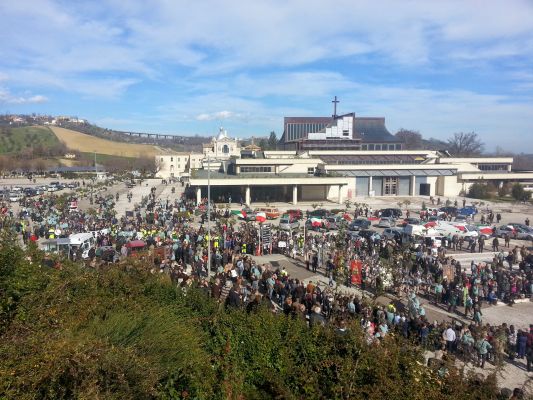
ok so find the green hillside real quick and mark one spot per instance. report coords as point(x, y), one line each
point(14, 140)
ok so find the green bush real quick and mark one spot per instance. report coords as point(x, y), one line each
point(479, 191)
point(519, 193)
point(125, 333)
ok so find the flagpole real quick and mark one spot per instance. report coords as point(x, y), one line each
point(208, 215)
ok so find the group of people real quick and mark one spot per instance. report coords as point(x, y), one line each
point(415, 274)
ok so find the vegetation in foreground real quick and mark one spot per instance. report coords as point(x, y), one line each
point(123, 333)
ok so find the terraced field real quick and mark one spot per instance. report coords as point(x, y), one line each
point(89, 144)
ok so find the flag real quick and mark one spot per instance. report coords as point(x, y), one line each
point(260, 217)
point(239, 213)
point(487, 230)
point(316, 222)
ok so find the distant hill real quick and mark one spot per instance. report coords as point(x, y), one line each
point(37, 139)
point(177, 142)
point(87, 144)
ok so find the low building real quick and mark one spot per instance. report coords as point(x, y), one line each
point(376, 168)
point(177, 165)
point(290, 176)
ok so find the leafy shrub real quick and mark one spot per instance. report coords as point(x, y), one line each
point(479, 191)
point(124, 333)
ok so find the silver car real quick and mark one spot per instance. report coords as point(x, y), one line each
point(392, 233)
point(523, 232)
point(387, 222)
point(285, 224)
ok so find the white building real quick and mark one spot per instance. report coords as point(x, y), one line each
point(289, 176)
point(177, 165)
point(222, 147)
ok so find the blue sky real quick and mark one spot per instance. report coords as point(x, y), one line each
point(187, 67)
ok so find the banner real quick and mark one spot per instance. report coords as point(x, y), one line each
point(356, 267)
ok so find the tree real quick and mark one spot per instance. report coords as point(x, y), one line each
point(272, 141)
point(412, 139)
point(479, 191)
point(263, 144)
point(465, 144)
point(519, 193)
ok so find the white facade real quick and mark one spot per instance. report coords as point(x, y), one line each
point(343, 129)
point(222, 147)
point(177, 165)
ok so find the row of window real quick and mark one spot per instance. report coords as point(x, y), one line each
point(255, 169)
point(381, 146)
point(298, 131)
point(492, 167)
point(373, 162)
point(172, 159)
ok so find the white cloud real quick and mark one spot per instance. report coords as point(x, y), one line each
point(69, 38)
point(215, 116)
point(6, 97)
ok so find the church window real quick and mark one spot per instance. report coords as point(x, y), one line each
point(225, 149)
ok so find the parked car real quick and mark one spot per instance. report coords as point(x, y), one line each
point(334, 223)
point(319, 213)
point(386, 222)
point(29, 192)
point(412, 221)
point(15, 196)
point(391, 212)
point(506, 230)
point(71, 186)
point(295, 214)
point(468, 210)
point(358, 224)
point(524, 232)
point(287, 224)
point(449, 210)
point(369, 234)
point(392, 233)
point(270, 212)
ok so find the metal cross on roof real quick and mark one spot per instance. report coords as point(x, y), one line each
point(335, 101)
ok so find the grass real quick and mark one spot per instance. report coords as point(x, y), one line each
point(13, 140)
point(90, 144)
point(101, 158)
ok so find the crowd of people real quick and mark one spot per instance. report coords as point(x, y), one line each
point(177, 245)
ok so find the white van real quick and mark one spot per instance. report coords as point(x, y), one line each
point(447, 229)
point(83, 241)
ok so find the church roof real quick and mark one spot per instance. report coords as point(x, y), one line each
point(372, 129)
